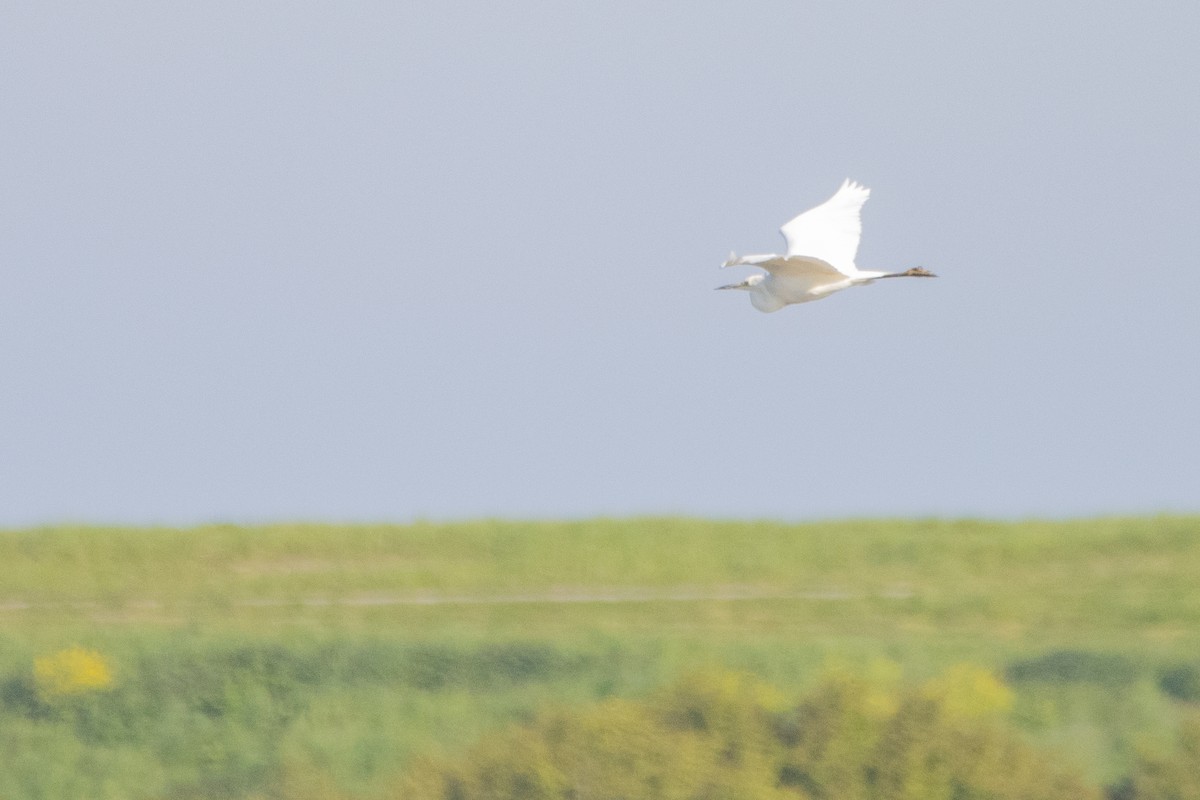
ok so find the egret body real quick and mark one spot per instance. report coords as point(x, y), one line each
point(821, 245)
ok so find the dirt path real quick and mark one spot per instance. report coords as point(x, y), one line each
point(553, 596)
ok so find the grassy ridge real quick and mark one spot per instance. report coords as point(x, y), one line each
point(345, 650)
point(1127, 575)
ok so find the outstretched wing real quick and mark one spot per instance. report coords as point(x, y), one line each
point(830, 232)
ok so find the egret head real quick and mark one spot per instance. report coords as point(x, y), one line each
point(748, 284)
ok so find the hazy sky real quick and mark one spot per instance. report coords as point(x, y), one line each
point(382, 261)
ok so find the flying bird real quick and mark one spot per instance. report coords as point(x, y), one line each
point(821, 244)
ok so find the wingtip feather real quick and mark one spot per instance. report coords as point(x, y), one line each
point(854, 187)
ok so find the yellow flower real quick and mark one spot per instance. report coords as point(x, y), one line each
point(966, 690)
point(72, 671)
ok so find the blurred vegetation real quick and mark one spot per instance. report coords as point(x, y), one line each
point(726, 736)
point(71, 671)
point(1181, 681)
point(1075, 666)
point(333, 661)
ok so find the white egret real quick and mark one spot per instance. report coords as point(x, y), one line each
point(821, 244)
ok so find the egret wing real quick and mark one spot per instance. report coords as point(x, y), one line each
point(830, 232)
point(801, 267)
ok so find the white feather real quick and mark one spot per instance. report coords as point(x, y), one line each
point(830, 232)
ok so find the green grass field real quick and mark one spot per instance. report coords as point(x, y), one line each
point(242, 655)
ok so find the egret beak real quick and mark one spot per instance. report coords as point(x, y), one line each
point(732, 286)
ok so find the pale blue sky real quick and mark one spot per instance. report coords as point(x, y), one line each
point(380, 261)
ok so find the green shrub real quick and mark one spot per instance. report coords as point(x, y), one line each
point(432, 667)
point(1074, 666)
point(1181, 681)
point(19, 696)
